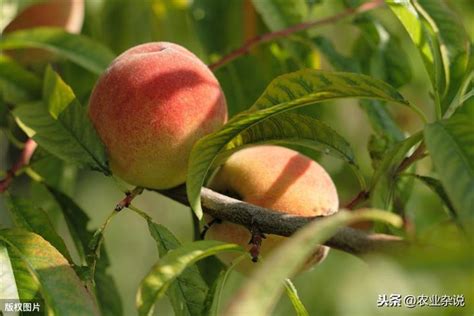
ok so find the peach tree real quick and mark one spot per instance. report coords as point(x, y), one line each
point(373, 100)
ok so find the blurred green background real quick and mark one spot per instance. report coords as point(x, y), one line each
point(342, 284)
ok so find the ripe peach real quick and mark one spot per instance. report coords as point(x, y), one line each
point(149, 108)
point(277, 178)
point(66, 14)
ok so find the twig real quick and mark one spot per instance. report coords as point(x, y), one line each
point(418, 154)
point(270, 222)
point(267, 37)
point(130, 195)
point(359, 198)
point(24, 159)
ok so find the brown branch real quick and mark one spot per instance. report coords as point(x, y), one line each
point(267, 37)
point(129, 196)
point(24, 159)
point(418, 154)
point(270, 222)
point(359, 198)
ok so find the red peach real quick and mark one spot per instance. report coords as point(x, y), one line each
point(149, 108)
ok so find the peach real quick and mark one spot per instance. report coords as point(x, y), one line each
point(277, 178)
point(66, 14)
point(149, 108)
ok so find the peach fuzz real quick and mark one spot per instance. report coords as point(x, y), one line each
point(277, 178)
point(149, 108)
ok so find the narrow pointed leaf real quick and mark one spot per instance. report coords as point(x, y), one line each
point(60, 125)
point(296, 129)
point(8, 288)
point(214, 296)
point(78, 48)
point(442, 41)
point(294, 298)
point(27, 284)
point(188, 292)
point(168, 268)
point(211, 304)
point(451, 145)
point(77, 221)
point(61, 288)
point(33, 219)
point(436, 186)
point(18, 84)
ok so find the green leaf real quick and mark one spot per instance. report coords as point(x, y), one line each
point(383, 181)
point(451, 145)
point(211, 304)
point(294, 298)
point(260, 292)
point(78, 48)
point(33, 219)
point(311, 86)
point(18, 84)
point(380, 52)
point(61, 288)
point(77, 221)
point(27, 284)
point(8, 287)
point(61, 125)
point(441, 40)
point(293, 129)
point(214, 296)
point(436, 186)
point(168, 268)
point(285, 93)
point(57, 95)
point(188, 292)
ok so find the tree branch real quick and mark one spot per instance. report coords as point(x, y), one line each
point(24, 159)
point(129, 197)
point(267, 37)
point(359, 198)
point(270, 222)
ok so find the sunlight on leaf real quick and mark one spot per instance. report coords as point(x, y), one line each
point(285, 93)
point(168, 268)
point(78, 48)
